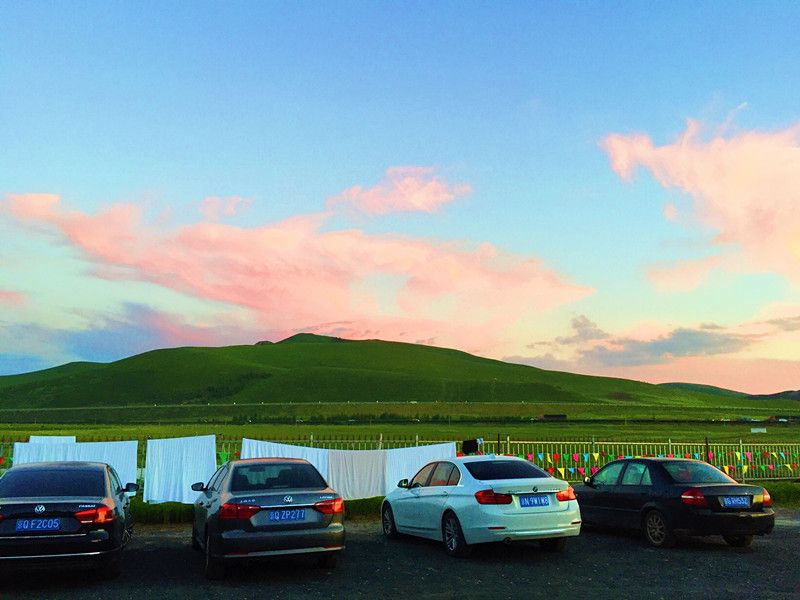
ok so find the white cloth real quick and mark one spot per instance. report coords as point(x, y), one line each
point(358, 473)
point(403, 463)
point(173, 465)
point(258, 449)
point(51, 439)
point(120, 455)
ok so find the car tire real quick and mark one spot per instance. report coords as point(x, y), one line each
point(214, 568)
point(738, 541)
point(195, 543)
point(328, 560)
point(553, 544)
point(453, 537)
point(657, 531)
point(387, 521)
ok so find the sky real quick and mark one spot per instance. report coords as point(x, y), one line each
point(608, 188)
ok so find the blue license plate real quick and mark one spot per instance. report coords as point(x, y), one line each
point(38, 524)
point(736, 501)
point(289, 514)
point(537, 500)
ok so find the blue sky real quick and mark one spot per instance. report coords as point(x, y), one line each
point(162, 105)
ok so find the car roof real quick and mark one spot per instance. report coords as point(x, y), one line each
point(268, 460)
point(76, 465)
point(485, 458)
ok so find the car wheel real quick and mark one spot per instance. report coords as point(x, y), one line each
point(657, 531)
point(387, 520)
point(553, 544)
point(328, 560)
point(738, 541)
point(214, 569)
point(195, 543)
point(453, 537)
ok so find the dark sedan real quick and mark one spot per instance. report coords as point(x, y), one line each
point(265, 507)
point(666, 497)
point(64, 512)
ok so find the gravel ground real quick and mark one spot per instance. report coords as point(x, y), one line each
point(596, 565)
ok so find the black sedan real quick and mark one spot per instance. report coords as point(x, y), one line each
point(665, 497)
point(264, 507)
point(64, 512)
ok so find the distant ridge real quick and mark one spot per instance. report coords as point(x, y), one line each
point(787, 395)
point(708, 389)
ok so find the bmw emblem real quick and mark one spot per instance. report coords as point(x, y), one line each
point(39, 509)
point(535, 488)
point(287, 499)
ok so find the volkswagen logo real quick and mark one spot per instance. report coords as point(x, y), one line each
point(287, 499)
point(39, 509)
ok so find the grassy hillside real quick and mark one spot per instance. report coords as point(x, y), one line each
point(377, 379)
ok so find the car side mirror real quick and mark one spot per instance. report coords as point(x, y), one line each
point(199, 487)
point(403, 483)
point(131, 488)
point(588, 481)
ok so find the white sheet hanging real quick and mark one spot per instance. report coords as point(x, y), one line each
point(358, 473)
point(259, 449)
point(403, 463)
point(174, 464)
point(120, 455)
point(51, 439)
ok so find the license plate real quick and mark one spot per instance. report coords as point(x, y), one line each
point(736, 501)
point(290, 514)
point(38, 524)
point(538, 500)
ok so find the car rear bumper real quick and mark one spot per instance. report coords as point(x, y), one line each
point(57, 547)
point(742, 523)
point(246, 544)
point(498, 528)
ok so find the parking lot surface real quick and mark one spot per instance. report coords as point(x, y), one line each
point(596, 565)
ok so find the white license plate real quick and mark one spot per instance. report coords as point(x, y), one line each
point(537, 500)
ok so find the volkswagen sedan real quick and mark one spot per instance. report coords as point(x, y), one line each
point(264, 507)
point(479, 499)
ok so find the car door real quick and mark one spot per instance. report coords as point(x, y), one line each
point(122, 500)
point(635, 489)
point(596, 498)
point(406, 505)
point(203, 504)
point(432, 498)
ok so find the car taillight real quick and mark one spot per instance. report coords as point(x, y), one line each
point(694, 497)
point(237, 512)
point(767, 501)
point(490, 497)
point(567, 494)
point(99, 515)
point(330, 507)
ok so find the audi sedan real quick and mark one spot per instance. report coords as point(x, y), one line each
point(52, 513)
point(668, 497)
point(264, 507)
point(479, 499)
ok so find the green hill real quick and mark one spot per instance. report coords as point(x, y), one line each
point(314, 369)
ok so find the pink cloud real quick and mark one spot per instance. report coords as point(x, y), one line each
point(294, 276)
point(744, 186)
point(12, 298)
point(683, 275)
point(215, 207)
point(402, 189)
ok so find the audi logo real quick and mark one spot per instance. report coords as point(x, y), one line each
point(39, 509)
point(287, 499)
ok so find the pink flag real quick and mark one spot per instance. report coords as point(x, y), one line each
point(670, 456)
point(576, 457)
point(581, 470)
point(530, 457)
point(771, 467)
point(595, 470)
point(710, 455)
point(749, 455)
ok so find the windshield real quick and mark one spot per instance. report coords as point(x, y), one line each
point(35, 483)
point(258, 477)
point(695, 472)
point(504, 469)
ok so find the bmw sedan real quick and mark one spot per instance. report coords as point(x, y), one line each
point(64, 512)
point(264, 507)
point(479, 499)
point(666, 497)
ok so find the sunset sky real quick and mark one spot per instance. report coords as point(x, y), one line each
point(599, 187)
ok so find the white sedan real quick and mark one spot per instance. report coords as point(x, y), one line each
point(478, 499)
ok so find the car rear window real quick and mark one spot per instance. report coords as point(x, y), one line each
point(254, 478)
point(695, 472)
point(35, 483)
point(503, 469)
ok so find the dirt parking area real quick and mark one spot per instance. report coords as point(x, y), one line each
point(596, 565)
